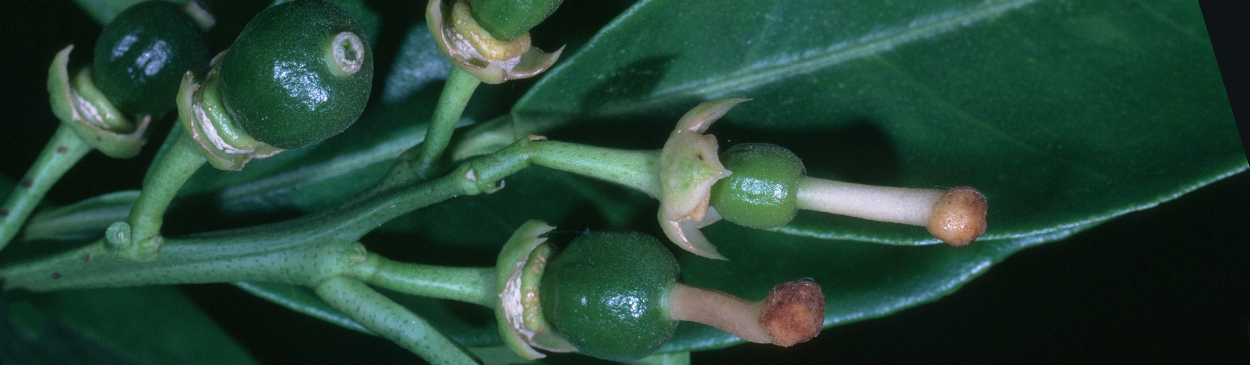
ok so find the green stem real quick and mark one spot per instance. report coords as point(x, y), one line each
point(58, 156)
point(465, 284)
point(391, 321)
point(187, 261)
point(456, 93)
point(159, 188)
point(229, 255)
point(401, 191)
point(635, 169)
point(318, 250)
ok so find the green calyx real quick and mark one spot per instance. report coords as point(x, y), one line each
point(607, 294)
point(299, 73)
point(763, 189)
point(141, 55)
point(507, 19)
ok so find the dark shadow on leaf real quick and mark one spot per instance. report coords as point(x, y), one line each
point(855, 151)
point(395, 18)
point(205, 212)
point(624, 85)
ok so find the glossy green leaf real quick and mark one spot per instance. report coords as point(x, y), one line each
point(860, 280)
point(152, 325)
point(1066, 114)
point(303, 300)
point(1060, 112)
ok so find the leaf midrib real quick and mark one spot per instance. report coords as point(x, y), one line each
point(766, 72)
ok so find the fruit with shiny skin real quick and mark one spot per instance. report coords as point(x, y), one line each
point(300, 72)
point(141, 55)
point(606, 293)
point(763, 189)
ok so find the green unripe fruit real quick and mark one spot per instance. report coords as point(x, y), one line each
point(507, 19)
point(299, 73)
point(607, 292)
point(763, 189)
point(141, 55)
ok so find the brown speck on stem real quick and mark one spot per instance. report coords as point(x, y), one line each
point(26, 183)
point(61, 150)
point(792, 313)
point(56, 275)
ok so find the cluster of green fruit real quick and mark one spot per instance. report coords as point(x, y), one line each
point(301, 72)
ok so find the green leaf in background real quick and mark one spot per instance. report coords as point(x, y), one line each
point(1062, 113)
point(1066, 114)
point(148, 325)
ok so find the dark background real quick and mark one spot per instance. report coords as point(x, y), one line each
point(1169, 284)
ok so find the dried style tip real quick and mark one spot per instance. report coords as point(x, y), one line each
point(793, 312)
point(959, 218)
point(955, 216)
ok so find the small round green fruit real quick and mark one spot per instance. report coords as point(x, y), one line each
point(763, 189)
point(141, 55)
point(607, 294)
point(300, 72)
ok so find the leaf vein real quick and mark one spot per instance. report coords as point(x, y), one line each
point(807, 62)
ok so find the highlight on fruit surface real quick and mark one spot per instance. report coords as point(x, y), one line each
point(141, 55)
point(615, 296)
point(299, 73)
